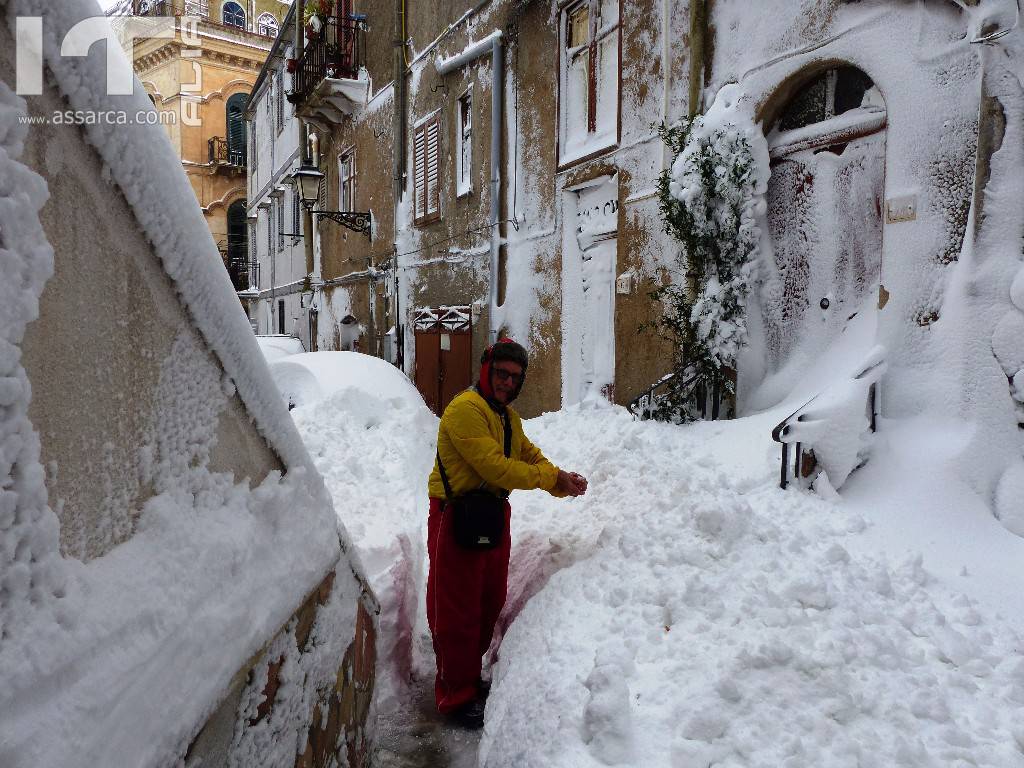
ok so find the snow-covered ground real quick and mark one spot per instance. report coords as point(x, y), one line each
point(687, 611)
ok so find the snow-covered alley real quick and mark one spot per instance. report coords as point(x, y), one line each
point(687, 611)
point(755, 271)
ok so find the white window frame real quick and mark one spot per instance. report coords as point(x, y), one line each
point(265, 23)
point(427, 169)
point(347, 180)
point(464, 143)
point(598, 138)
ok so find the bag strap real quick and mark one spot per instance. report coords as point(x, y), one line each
point(444, 478)
point(506, 428)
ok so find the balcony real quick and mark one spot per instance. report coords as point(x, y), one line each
point(200, 8)
point(327, 86)
point(226, 155)
point(245, 277)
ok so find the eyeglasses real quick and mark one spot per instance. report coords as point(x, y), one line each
point(503, 375)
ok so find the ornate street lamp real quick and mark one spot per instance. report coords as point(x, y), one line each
point(307, 180)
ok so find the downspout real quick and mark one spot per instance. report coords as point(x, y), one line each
point(492, 43)
point(698, 36)
point(398, 147)
point(497, 110)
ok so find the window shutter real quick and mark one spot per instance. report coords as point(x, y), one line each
point(280, 223)
point(420, 173)
point(279, 92)
point(433, 169)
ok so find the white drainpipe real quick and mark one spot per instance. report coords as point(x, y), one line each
point(492, 43)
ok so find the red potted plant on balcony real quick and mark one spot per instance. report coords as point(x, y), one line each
point(315, 17)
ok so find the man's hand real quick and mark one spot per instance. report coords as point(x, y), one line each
point(571, 483)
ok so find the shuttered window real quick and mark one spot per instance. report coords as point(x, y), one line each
point(427, 170)
point(236, 129)
point(280, 222)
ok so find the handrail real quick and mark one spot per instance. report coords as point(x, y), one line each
point(644, 405)
point(873, 367)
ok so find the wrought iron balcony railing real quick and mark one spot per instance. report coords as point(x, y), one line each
point(244, 274)
point(224, 152)
point(199, 8)
point(335, 53)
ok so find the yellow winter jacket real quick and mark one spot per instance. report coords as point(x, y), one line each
point(471, 444)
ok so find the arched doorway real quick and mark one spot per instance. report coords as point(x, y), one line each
point(235, 122)
point(238, 246)
point(825, 200)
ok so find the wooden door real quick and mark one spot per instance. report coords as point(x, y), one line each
point(444, 354)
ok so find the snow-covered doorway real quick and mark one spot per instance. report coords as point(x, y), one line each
point(824, 200)
point(589, 257)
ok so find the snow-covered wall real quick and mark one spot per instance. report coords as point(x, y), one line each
point(127, 361)
point(946, 273)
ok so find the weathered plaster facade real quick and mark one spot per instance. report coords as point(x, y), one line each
point(445, 262)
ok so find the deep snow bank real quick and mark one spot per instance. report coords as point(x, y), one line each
point(373, 440)
point(707, 618)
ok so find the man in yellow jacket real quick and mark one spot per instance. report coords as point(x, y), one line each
point(466, 587)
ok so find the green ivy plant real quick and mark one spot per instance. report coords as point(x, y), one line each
point(707, 201)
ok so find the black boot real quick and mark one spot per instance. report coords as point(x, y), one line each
point(470, 715)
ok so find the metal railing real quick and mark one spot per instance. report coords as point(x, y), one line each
point(702, 399)
point(200, 8)
point(798, 462)
point(223, 152)
point(244, 274)
point(336, 53)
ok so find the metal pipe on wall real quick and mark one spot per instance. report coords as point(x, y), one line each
point(497, 110)
point(444, 66)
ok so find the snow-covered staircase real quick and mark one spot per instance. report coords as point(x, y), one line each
point(827, 434)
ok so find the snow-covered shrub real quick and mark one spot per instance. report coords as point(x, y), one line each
point(711, 200)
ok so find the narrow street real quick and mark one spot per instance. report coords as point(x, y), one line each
point(729, 300)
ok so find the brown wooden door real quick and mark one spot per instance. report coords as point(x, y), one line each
point(444, 354)
point(428, 367)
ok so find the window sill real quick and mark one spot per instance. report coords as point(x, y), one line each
point(426, 221)
point(467, 192)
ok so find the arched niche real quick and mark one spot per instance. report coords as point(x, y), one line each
point(826, 131)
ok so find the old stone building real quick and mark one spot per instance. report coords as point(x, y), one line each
point(508, 155)
point(202, 76)
point(522, 197)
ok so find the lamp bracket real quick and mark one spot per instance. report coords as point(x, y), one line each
point(357, 221)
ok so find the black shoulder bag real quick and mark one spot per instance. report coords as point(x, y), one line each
point(478, 517)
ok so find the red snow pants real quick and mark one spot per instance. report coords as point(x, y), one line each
point(465, 594)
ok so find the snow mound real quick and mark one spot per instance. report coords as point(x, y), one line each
point(1010, 498)
point(312, 376)
point(276, 347)
point(704, 612)
point(373, 440)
